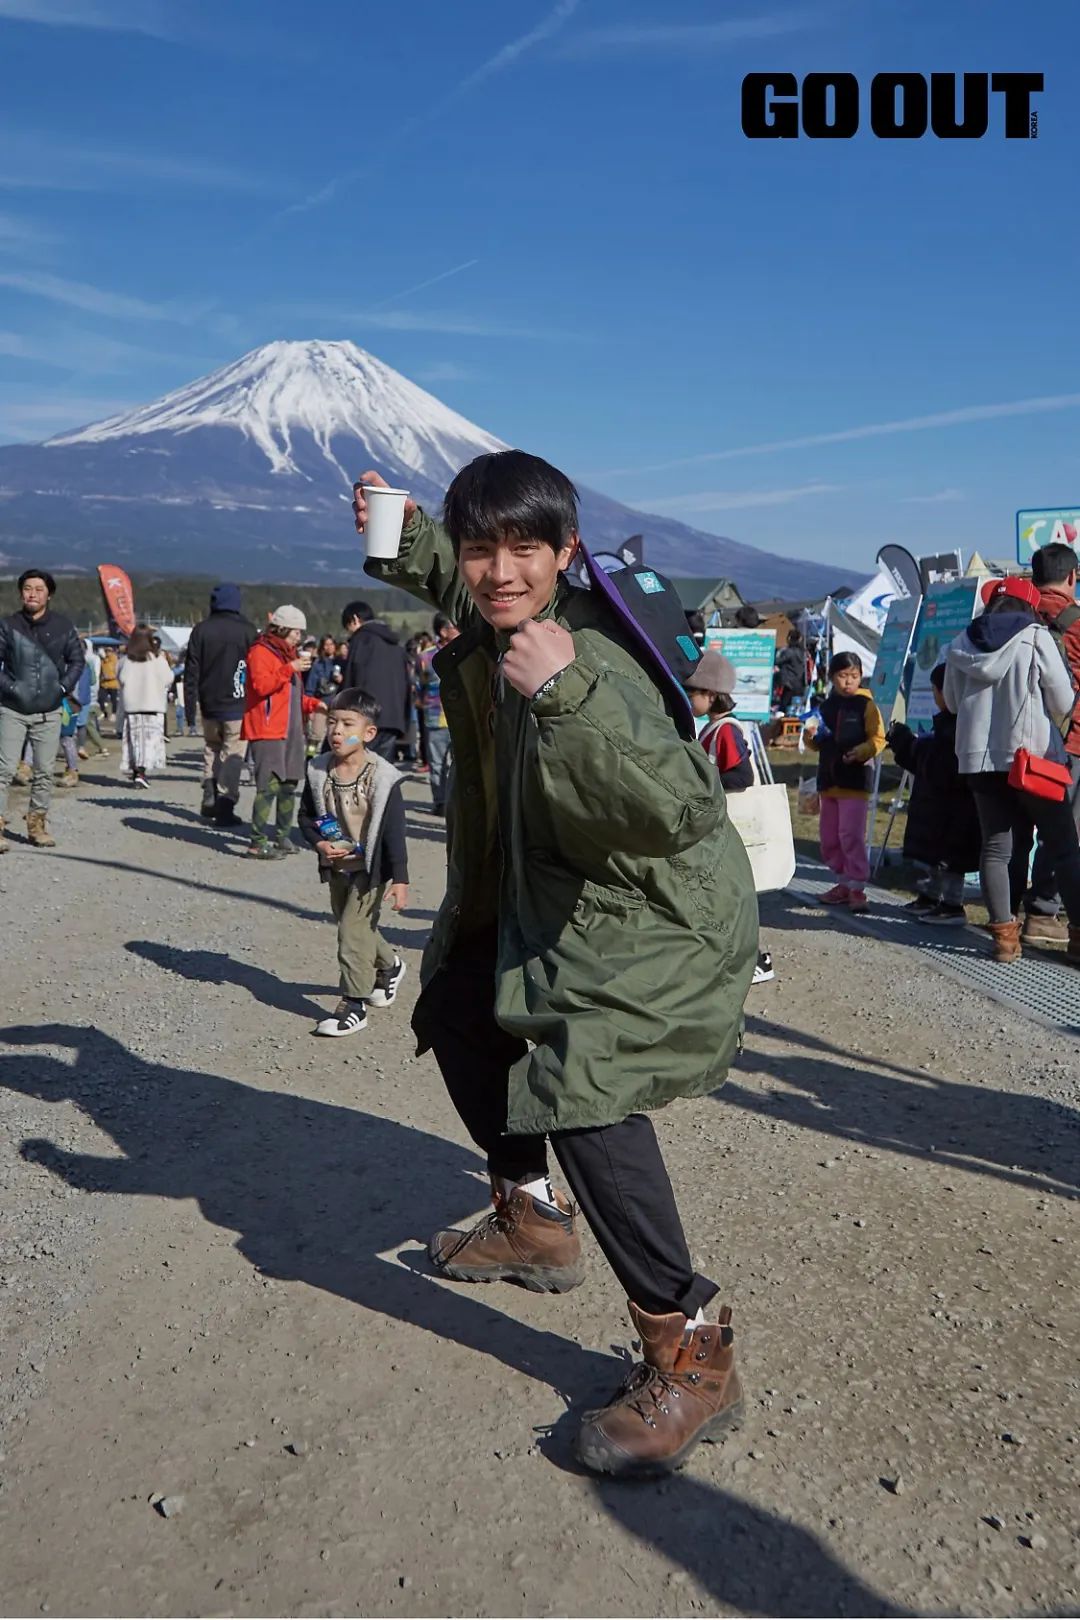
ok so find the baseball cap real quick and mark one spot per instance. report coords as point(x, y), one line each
point(289, 618)
point(1012, 585)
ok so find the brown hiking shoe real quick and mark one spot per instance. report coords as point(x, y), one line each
point(679, 1395)
point(70, 778)
point(1006, 937)
point(522, 1241)
point(38, 830)
point(22, 775)
point(1045, 930)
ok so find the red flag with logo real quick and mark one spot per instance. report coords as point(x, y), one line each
point(119, 598)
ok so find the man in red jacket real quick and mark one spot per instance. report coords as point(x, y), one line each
point(275, 706)
point(1054, 569)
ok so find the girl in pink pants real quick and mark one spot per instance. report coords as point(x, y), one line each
point(848, 739)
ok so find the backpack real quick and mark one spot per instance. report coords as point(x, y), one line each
point(1059, 628)
point(646, 605)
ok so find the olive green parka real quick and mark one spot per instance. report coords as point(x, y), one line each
point(598, 840)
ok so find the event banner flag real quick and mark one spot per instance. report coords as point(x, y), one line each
point(946, 613)
point(887, 684)
point(119, 598)
point(1041, 526)
point(753, 653)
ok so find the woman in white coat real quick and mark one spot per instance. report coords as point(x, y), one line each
point(145, 679)
point(1010, 688)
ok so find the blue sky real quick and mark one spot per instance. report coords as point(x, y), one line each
point(547, 213)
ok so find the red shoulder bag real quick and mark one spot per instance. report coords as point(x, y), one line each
point(1044, 778)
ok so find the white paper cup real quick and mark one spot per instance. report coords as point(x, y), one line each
point(385, 516)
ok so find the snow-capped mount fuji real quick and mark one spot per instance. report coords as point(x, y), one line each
point(247, 473)
point(287, 397)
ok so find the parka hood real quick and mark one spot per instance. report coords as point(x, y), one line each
point(992, 644)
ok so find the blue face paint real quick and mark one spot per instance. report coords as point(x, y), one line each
point(349, 740)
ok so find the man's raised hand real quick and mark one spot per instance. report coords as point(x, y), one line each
point(359, 502)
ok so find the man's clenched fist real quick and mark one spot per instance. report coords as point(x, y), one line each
point(537, 651)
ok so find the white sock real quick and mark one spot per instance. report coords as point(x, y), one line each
point(691, 1323)
point(539, 1187)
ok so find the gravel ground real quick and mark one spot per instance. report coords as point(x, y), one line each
point(230, 1385)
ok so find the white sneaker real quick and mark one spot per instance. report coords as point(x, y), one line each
point(763, 969)
point(386, 983)
point(347, 1018)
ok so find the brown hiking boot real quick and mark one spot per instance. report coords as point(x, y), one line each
point(70, 778)
point(522, 1241)
point(679, 1395)
point(38, 830)
point(1040, 930)
point(1006, 937)
point(22, 775)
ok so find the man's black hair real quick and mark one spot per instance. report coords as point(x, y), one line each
point(794, 639)
point(695, 623)
point(356, 610)
point(440, 623)
point(1052, 564)
point(747, 617)
point(38, 573)
point(358, 702)
point(842, 661)
point(511, 495)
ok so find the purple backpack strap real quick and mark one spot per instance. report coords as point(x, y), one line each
point(600, 582)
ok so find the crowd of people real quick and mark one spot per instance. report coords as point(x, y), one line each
point(599, 930)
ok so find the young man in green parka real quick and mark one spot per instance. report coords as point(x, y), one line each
point(595, 945)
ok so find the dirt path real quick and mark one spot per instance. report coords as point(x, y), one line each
point(212, 1282)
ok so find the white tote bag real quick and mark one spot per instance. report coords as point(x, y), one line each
point(762, 819)
point(761, 816)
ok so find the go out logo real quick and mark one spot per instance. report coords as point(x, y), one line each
point(902, 105)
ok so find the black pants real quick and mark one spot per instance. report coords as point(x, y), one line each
point(385, 743)
point(1043, 898)
point(1008, 820)
point(615, 1172)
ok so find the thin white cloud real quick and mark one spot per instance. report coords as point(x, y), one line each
point(19, 235)
point(88, 352)
point(434, 111)
point(940, 498)
point(410, 320)
point(685, 39)
point(421, 286)
point(96, 300)
point(31, 420)
point(961, 417)
point(727, 500)
point(36, 162)
point(114, 16)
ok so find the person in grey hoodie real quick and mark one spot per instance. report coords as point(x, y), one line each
point(1010, 688)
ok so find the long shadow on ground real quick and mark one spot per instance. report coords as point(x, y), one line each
point(319, 1193)
point(1029, 1141)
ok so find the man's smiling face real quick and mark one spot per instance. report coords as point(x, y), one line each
point(512, 579)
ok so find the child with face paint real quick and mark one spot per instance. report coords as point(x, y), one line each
point(353, 815)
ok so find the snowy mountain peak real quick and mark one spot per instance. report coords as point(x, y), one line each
point(331, 391)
